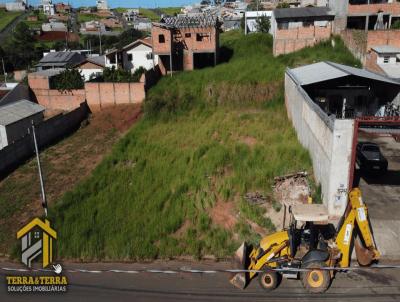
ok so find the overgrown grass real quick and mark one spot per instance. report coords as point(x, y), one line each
point(149, 13)
point(192, 149)
point(87, 17)
point(7, 17)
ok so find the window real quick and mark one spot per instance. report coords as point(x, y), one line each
point(130, 57)
point(308, 23)
point(386, 59)
point(113, 59)
point(199, 37)
point(188, 35)
point(283, 25)
point(149, 56)
point(161, 39)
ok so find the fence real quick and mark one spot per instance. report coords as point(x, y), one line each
point(46, 132)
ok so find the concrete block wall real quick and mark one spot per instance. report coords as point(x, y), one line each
point(383, 37)
point(60, 100)
point(329, 143)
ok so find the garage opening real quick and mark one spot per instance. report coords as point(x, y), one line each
point(202, 60)
point(377, 166)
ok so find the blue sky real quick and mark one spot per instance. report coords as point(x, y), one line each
point(120, 3)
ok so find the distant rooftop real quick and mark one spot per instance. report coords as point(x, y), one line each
point(60, 57)
point(302, 12)
point(187, 22)
point(388, 49)
point(19, 110)
point(48, 72)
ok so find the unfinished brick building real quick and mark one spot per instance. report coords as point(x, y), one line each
point(296, 28)
point(186, 43)
point(370, 15)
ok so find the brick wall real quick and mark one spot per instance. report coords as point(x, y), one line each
point(367, 9)
point(290, 40)
point(100, 95)
point(383, 37)
point(371, 62)
point(97, 95)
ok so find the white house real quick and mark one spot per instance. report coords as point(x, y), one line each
point(388, 59)
point(102, 4)
point(91, 67)
point(48, 7)
point(252, 16)
point(18, 5)
point(132, 56)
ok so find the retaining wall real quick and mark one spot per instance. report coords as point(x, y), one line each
point(328, 141)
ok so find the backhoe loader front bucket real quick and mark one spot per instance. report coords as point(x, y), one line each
point(241, 261)
point(364, 255)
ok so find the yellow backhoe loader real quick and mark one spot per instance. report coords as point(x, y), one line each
point(309, 242)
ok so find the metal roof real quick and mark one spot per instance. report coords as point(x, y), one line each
point(186, 21)
point(49, 72)
point(324, 71)
point(386, 49)
point(302, 12)
point(61, 57)
point(19, 110)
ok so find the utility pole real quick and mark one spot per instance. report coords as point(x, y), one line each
point(101, 51)
point(44, 200)
point(4, 72)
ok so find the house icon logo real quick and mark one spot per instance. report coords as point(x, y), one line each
point(37, 239)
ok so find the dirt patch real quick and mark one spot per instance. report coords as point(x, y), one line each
point(223, 214)
point(248, 140)
point(182, 229)
point(64, 165)
point(258, 229)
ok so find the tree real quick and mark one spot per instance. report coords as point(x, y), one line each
point(122, 76)
point(67, 80)
point(128, 36)
point(263, 24)
point(283, 5)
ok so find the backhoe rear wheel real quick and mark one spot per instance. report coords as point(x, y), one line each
point(315, 281)
point(269, 279)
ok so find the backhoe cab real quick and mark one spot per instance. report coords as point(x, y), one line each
point(311, 243)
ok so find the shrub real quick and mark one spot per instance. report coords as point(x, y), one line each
point(67, 80)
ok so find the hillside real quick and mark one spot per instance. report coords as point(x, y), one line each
point(174, 184)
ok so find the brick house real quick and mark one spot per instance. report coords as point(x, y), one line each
point(186, 43)
point(296, 28)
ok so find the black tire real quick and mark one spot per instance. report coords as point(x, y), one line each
point(269, 279)
point(315, 281)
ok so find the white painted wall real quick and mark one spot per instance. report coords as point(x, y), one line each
point(328, 141)
point(87, 73)
point(139, 58)
point(392, 59)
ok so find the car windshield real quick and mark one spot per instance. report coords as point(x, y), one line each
point(371, 148)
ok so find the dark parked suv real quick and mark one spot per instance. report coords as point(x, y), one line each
point(370, 158)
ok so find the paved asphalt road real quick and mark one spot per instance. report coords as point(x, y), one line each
point(372, 285)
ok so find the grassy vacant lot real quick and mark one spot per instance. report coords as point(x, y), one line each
point(64, 165)
point(149, 13)
point(174, 184)
point(7, 17)
point(171, 11)
point(87, 17)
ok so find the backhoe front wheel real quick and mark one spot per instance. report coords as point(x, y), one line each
point(315, 281)
point(269, 279)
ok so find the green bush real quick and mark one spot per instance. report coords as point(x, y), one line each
point(67, 80)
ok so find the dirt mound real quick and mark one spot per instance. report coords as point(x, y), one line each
point(292, 189)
